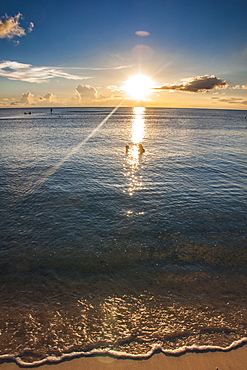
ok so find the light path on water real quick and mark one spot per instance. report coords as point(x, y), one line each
point(74, 150)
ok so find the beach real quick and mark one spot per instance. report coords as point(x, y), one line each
point(123, 183)
point(235, 359)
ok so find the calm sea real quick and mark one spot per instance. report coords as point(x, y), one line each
point(104, 251)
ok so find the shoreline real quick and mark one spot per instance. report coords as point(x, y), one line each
point(234, 359)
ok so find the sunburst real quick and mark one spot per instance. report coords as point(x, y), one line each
point(138, 87)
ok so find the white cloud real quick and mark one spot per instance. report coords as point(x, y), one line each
point(113, 88)
point(30, 27)
point(27, 98)
point(102, 68)
point(86, 92)
point(142, 33)
point(239, 87)
point(49, 97)
point(10, 27)
point(28, 73)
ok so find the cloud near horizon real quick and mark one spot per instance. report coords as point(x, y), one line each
point(48, 97)
point(196, 84)
point(30, 99)
point(239, 87)
point(10, 27)
point(27, 98)
point(28, 73)
point(230, 100)
point(86, 92)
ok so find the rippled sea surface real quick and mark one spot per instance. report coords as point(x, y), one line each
point(123, 252)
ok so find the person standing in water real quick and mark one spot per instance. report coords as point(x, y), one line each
point(140, 149)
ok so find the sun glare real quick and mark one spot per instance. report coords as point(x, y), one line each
point(138, 87)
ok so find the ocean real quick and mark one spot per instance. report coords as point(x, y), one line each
point(106, 250)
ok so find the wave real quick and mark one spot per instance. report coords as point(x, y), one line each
point(123, 355)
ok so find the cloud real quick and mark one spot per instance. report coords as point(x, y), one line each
point(142, 33)
point(113, 88)
point(86, 92)
point(101, 68)
point(10, 27)
point(49, 97)
point(230, 100)
point(28, 73)
point(196, 84)
point(27, 98)
point(30, 27)
point(238, 87)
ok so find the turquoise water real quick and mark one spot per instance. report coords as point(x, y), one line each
point(103, 250)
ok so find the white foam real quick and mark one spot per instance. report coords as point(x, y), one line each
point(124, 355)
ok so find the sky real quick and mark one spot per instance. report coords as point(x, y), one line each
point(187, 53)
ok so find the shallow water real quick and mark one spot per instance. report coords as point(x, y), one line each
point(123, 252)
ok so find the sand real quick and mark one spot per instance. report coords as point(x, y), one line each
point(235, 359)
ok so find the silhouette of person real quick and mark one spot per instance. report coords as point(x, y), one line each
point(140, 149)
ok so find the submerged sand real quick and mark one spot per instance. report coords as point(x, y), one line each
point(235, 359)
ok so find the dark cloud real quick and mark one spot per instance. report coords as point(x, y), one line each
point(86, 92)
point(196, 84)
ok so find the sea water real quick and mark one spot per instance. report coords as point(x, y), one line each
point(105, 250)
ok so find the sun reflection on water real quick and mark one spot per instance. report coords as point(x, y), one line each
point(133, 153)
point(138, 124)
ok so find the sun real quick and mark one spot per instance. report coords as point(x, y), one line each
point(138, 87)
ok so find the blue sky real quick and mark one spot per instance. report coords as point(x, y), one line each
point(80, 53)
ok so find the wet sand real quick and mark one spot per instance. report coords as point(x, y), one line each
point(235, 359)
